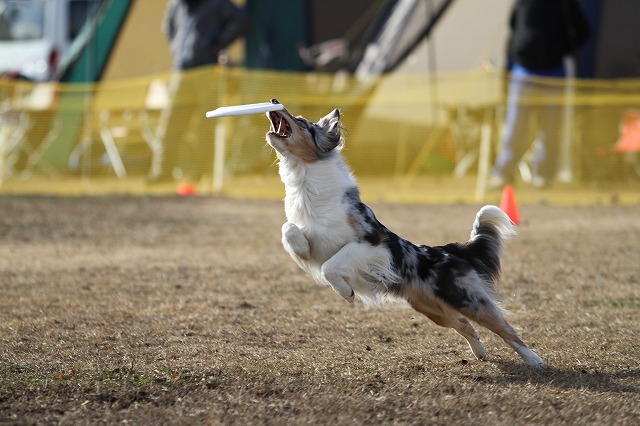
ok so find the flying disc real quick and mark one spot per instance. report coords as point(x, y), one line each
point(244, 109)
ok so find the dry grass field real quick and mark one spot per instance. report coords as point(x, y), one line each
point(168, 310)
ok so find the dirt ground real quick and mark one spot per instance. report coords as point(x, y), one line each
point(168, 310)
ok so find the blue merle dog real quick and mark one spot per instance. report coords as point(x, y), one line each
point(332, 235)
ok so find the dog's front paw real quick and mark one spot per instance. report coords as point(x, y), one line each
point(351, 297)
point(346, 292)
point(338, 283)
point(295, 242)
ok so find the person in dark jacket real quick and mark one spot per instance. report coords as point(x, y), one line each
point(543, 33)
point(198, 31)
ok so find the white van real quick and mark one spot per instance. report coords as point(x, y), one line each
point(34, 34)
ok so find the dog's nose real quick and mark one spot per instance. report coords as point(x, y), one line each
point(274, 101)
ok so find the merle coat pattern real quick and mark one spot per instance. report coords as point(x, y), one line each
point(337, 239)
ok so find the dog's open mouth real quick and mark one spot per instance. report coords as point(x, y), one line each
point(279, 125)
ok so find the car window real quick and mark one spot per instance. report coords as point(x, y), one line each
point(78, 10)
point(21, 19)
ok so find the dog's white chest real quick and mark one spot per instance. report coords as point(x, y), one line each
point(324, 226)
point(315, 202)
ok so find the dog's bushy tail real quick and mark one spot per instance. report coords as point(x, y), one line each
point(490, 229)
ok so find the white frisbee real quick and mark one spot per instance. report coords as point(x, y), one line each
point(244, 109)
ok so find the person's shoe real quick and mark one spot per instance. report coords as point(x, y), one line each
point(540, 182)
point(497, 182)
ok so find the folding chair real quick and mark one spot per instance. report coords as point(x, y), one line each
point(42, 105)
point(156, 100)
point(18, 115)
point(123, 116)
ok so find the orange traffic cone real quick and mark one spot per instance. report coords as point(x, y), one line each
point(508, 204)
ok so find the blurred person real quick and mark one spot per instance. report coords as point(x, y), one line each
point(543, 33)
point(198, 31)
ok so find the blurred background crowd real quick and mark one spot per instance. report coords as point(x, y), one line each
point(110, 95)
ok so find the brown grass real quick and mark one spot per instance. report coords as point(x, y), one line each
point(187, 311)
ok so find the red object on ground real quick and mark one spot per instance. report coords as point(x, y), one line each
point(185, 189)
point(508, 204)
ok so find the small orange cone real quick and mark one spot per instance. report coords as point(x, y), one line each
point(508, 204)
point(186, 189)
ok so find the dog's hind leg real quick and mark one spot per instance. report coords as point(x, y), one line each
point(489, 316)
point(464, 327)
point(459, 324)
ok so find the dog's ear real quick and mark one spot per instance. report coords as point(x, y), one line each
point(333, 116)
point(330, 134)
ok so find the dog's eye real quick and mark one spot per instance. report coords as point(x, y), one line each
point(304, 124)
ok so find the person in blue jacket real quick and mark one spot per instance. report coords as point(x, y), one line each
point(543, 32)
